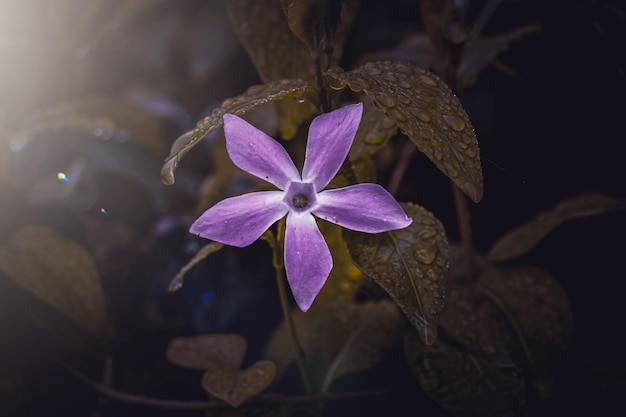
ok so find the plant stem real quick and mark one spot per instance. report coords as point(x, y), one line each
point(276, 246)
point(465, 230)
point(406, 154)
point(262, 399)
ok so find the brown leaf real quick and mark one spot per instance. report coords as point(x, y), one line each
point(60, 273)
point(426, 111)
point(524, 238)
point(252, 98)
point(262, 28)
point(409, 264)
point(202, 352)
point(538, 310)
point(237, 386)
point(469, 370)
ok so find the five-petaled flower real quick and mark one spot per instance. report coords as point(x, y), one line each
point(239, 221)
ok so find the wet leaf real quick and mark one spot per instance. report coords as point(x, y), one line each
point(409, 264)
point(237, 386)
point(479, 53)
point(521, 240)
point(201, 352)
point(510, 327)
point(338, 339)
point(262, 28)
point(539, 313)
point(107, 119)
point(374, 132)
point(469, 370)
point(252, 98)
point(60, 273)
point(426, 111)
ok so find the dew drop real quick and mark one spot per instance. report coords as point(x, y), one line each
point(385, 99)
point(454, 122)
point(450, 170)
point(430, 81)
point(471, 152)
point(403, 69)
point(404, 99)
point(426, 255)
point(372, 70)
point(404, 84)
point(421, 114)
point(427, 233)
point(437, 155)
point(398, 115)
point(390, 77)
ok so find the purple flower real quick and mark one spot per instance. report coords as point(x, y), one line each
point(239, 221)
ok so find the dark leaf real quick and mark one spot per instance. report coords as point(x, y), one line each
point(339, 339)
point(321, 24)
point(305, 18)
point(426, 111)
point(262, 28)
point(479, 53)
point(60, 273)
point(519, 241)
point(252, 98)
point(237, 386)
point(469, 370)
point(409, 264)
point(201, 352)
point(538, 311)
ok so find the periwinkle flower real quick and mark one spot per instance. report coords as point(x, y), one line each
point(239, 221)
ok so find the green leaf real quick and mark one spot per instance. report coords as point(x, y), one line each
point(524, 238)
point(60, 273)
point(426, 111)
point(409, 264)
point(338, 339)
point(199, 352)
point(252, 98)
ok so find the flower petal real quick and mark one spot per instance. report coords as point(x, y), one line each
point(256, 153)
point(330, 137)
point(307, 258)
point(239, 221)
point(362, 207)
